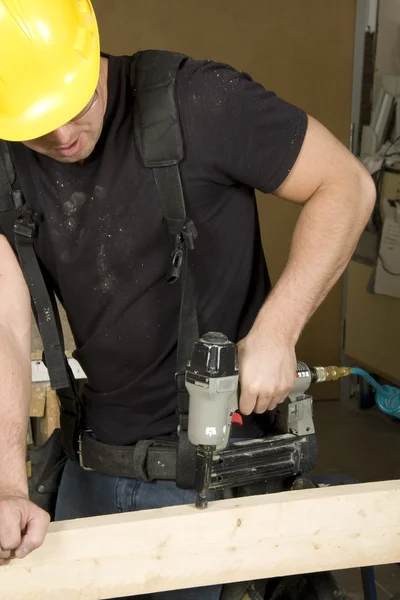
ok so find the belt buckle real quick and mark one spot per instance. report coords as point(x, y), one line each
point(80, 454)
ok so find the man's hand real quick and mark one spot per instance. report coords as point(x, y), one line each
point(267, 370)
point(23, 527)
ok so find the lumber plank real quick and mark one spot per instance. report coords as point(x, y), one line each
point(233, 540)
point(38, 400)
point(51, 419)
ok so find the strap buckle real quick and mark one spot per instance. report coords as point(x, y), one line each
point(25, 224)
point(79, 451)
point(184, 239)
point(177, 260)
point(189, 233)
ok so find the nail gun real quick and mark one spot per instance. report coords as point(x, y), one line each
point(212, 381)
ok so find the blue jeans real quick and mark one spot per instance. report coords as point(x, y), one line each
point(89, 494)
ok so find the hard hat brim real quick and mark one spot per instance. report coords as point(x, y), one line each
point(54, 69)
point(55, 107)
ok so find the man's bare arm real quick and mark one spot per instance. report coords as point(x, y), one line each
point(17, 514)
point(15, 384)
point(338, 196)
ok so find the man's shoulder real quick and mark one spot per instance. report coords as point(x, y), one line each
point(211, 74)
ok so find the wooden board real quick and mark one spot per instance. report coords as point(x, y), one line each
point(38, 400)
point(51, 418)
point(233, 540)
point(45, 413)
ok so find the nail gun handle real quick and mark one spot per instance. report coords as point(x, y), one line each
point(211, 408)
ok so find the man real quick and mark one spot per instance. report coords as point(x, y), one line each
point(102, 239)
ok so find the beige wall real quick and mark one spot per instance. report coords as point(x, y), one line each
point(388, 41)
point(372, 320)
point(301, 50)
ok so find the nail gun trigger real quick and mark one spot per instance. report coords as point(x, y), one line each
point(237, 418)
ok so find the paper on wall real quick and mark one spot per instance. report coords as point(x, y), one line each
point(387, 275)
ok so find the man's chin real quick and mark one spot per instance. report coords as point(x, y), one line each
point(83, 154)
point(70, 159)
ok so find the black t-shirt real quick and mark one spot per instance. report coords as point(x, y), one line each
point(104, 243)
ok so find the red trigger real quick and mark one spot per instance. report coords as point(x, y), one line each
point(237, 418)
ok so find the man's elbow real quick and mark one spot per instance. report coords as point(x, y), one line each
point(363, 192)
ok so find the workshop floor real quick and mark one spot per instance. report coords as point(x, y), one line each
point(368, 448)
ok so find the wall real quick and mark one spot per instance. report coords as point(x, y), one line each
point(301, 50)
point(375, 347)
point(388, 41)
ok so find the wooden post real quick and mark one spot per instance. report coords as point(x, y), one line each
point(51, 419)
point(233, 540)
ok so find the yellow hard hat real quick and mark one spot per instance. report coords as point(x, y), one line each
point(49, 66)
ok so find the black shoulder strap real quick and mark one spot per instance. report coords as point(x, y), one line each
point(157, 132)
point(159, 141)
point(10, 200)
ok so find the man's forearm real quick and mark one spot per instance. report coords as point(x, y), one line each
point(338, 196)
point(323, 242)
point(15, 393)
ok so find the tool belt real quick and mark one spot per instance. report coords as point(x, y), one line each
point(146, 460)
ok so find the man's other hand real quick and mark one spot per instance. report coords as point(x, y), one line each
point(267, 371)
point(23, 527)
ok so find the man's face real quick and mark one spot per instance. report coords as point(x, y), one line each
point(75, 141)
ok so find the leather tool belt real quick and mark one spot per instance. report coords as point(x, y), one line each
point(146, 460)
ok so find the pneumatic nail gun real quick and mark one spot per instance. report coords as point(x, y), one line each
point(212, 381)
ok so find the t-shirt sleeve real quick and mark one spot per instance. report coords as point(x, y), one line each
point(240, 131)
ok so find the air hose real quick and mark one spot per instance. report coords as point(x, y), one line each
point(387, 397)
